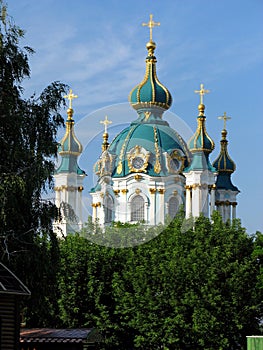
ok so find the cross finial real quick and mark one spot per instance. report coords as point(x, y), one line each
point(70, 97)
point(151, 24)
point(225, 118)
point(106, 122)
point(201, 92)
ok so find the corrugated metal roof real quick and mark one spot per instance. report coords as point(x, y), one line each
point(51, 335)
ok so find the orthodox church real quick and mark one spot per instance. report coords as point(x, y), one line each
point(148, 171)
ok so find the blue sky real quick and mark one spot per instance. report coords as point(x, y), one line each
point(98, 48)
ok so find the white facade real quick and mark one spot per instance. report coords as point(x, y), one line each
point(68, 198)
point(138, 198)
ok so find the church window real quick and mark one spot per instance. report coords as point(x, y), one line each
point(108, 209)
point(137, 208)
point(173, 207)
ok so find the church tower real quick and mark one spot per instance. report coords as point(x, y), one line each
point(226, 192)
point(140, 174)
point(200, 175)
point(69, 179)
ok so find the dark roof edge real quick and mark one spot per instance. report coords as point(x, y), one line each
point(26, 290)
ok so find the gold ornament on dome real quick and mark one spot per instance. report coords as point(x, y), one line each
point(147, 115)
point(138, 159)
point(225, 118)
point(175, 161)
point(70, 97)
point(106, 122)
point(157, 166)
point(151, 24)
point(104, 165)
point(202, 92)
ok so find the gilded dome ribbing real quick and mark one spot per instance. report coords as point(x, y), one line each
point(223, 162)
point(150, 92)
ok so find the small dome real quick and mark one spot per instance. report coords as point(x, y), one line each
point(150, 92)
point(70, 144)
point(69, 149)
point(201, 141)
point(223, 162)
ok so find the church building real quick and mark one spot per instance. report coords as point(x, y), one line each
point(148, 171)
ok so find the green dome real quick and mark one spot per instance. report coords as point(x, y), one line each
point(150, 92)
point(70, 144)
point(69, 149)
point(151, 147)
point(223, 162)
point(225, 167)
point(201, 141)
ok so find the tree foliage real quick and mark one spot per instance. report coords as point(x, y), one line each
point(198, 289)
point(28, 128)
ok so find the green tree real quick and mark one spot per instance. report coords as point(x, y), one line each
point(193, 290)
point(199, 289)
point(28, 145)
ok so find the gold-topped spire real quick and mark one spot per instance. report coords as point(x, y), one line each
point(106, 122)
point(202, 92)
point(70, 97)
point(105, 143)
point(151, 24)
point(225, 118)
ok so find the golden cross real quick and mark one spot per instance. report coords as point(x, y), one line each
point(70, 97)
point(225, 118)
point(201, 92)
point(106, 122)
point(151, 24)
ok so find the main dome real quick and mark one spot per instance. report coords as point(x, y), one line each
point(149, 147)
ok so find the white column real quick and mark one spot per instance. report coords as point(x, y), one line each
point(234, 208)
point(123, 205)
point(152, 214)
point(212, 199)
point(196, 200)
point(79, 206)
point(161, 205)
point(94, 212)
point(188, 202)
point(204, 200)
point(227, 211)
point(57, 197)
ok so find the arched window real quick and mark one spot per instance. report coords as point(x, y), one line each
point(108, 209)
point(137, 208)
point(172, 207)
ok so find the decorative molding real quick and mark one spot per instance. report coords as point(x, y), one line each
point(157, 165)
point(138, 191)
point(161, 190)
point(152, 190)
point(147, 115)
point(124, 190)
point(119, 167)
point(95, 205)
point(68, 188)
point(137, 177)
